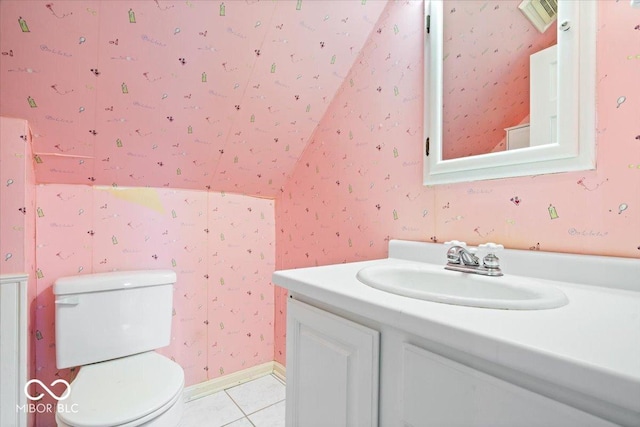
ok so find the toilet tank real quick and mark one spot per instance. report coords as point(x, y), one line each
point(109, 315)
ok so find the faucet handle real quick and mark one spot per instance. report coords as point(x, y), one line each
point(490, 247)
point(456, 243)
point(490, 260)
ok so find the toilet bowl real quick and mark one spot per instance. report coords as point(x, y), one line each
point(140, 390)
point(109, 324)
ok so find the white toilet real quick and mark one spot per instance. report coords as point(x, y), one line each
point(109, 324)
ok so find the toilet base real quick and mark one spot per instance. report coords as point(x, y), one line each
point(170, 418)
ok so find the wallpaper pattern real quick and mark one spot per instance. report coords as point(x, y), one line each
point(17, 210)
point(182, 94)
point(487, 45)
point(91, 78)
point(220, 245)
point(359, 182)
point(17, 195)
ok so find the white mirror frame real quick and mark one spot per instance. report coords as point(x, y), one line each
point(575, 149)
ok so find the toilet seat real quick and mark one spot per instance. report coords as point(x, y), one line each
point(130, 391)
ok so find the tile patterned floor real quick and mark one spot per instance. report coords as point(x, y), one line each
point(257, 403)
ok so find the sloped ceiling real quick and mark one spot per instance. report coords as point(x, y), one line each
point(184, 94)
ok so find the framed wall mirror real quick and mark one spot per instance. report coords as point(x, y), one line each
point(506, 96)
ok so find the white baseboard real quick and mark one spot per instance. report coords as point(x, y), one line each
point(206, 388)
point(280, 371)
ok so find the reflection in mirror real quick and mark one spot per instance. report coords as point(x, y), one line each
point(492, 55)
point(567, 128)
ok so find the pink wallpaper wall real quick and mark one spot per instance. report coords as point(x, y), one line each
point(17, 209)
point(359, 182)
point(220, 245)
point(182, 94)
point(16, 196)
point(487, 45)
point(225, 96)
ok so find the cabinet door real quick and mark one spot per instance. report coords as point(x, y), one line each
point(332, 370)
point(440, 392)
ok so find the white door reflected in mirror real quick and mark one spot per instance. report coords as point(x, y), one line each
point(561, 116)
point(544, 97)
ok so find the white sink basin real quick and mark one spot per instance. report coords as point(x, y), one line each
point(434, 283)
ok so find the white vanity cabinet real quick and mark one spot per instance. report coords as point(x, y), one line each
point(332, 370)
point(360, 356)
point(333, 365)
point(436, 391)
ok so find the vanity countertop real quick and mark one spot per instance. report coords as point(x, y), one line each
point(591, 345)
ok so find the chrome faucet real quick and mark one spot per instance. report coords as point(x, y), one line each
point(459, 258)
point(459, 255)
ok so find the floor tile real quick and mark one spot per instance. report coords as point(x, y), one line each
point(278, 378)
point(214, 410)
point(242, 422)
point(272, 416)
point(257, 394)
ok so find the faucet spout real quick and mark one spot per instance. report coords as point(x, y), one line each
point(460, 255)
point(459, 258)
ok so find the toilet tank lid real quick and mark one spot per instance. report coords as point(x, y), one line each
point(118, 280)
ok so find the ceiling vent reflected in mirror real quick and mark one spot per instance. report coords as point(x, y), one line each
point(541, 13)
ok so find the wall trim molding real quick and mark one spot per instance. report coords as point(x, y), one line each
point(280, 371)
point(215, 385)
